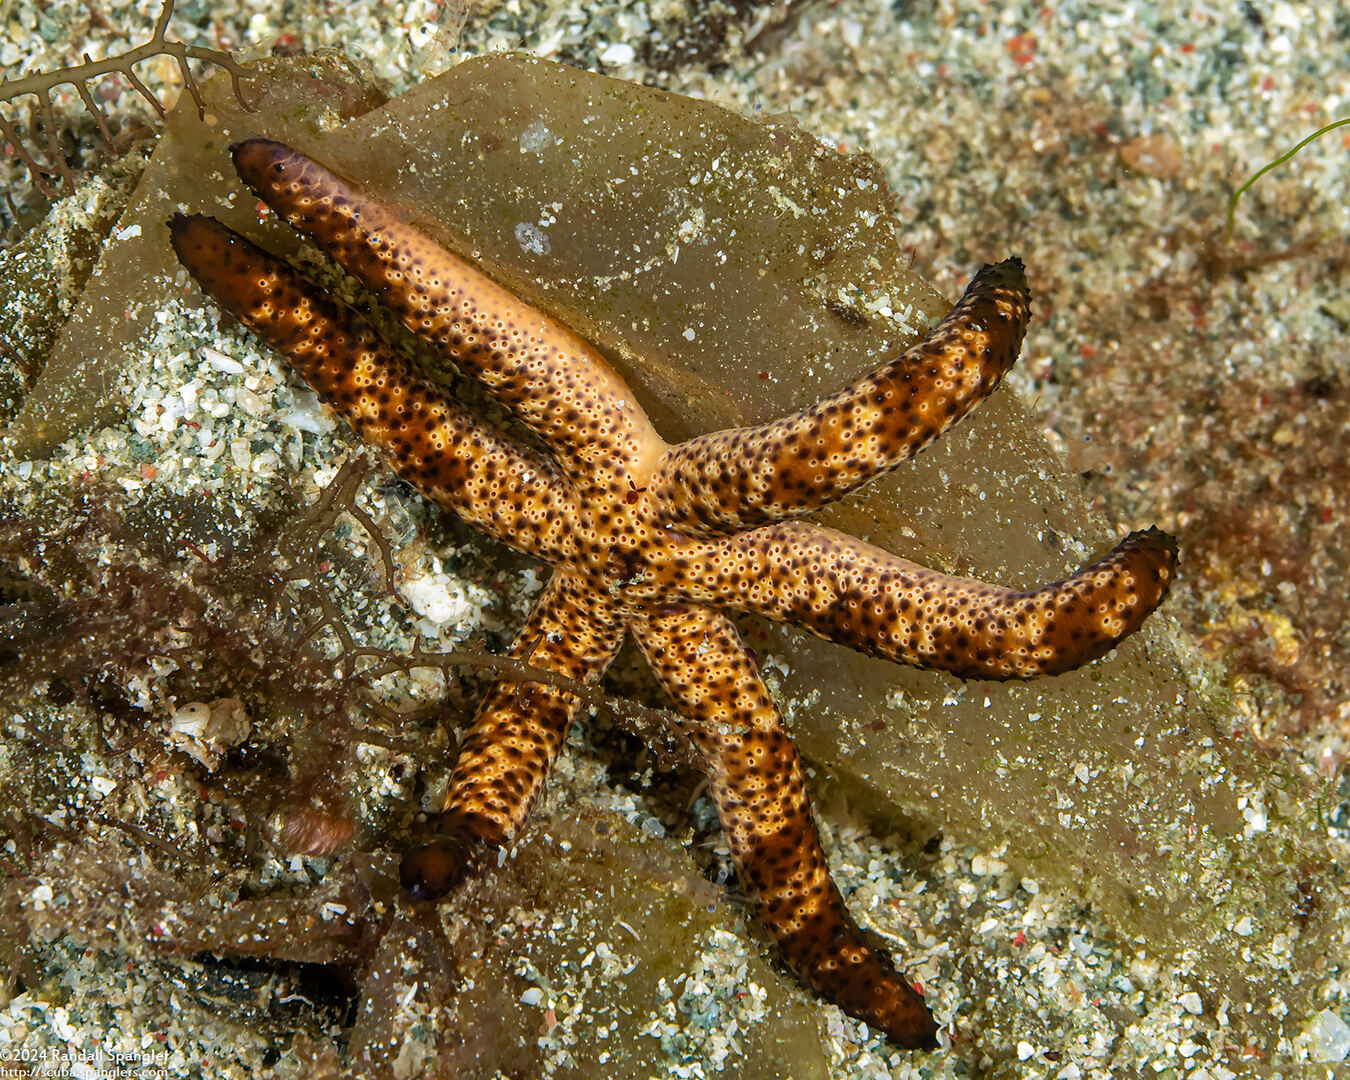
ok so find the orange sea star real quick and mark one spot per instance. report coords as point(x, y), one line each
point(660, 541)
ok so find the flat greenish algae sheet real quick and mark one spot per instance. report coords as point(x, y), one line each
point(618, 927)
point(42, 276)
point(733, 270)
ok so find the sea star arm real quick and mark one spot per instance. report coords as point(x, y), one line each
point(727, 481)
point(849, 591)
point(466, 465)
point(756, 781)
point(551, 380)
point(509, 750)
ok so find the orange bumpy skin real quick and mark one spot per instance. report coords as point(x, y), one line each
point(658, 541)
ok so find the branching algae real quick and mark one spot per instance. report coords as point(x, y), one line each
point(50, 171)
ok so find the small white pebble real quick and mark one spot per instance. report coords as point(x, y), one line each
point(221, 362)
point(618, 53)
point(103, 785)
point(1190, 1001)
point(532, 996)
point(1330, 1037)
point(1024, 1050)
point(250, 402)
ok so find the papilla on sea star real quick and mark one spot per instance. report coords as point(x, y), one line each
point(660, 541)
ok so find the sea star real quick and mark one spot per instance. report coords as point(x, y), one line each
point(660, 541)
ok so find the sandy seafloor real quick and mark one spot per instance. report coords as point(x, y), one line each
point(1195, 384)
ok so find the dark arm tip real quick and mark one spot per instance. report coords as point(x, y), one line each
point(255, 158)
point(431, 870)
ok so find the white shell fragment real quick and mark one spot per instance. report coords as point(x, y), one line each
point(206, 731)
point(1329, 1037)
